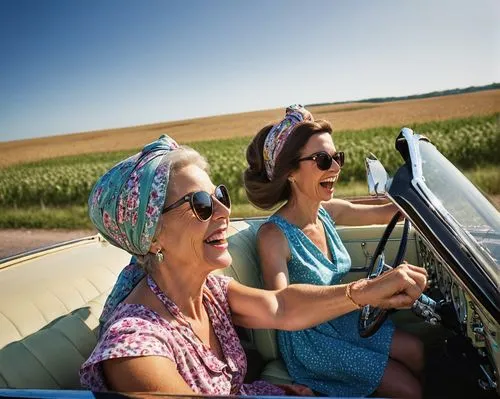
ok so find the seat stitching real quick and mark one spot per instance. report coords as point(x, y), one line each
point(79, 293)
point(15, 326)
point(6, 381)
point(111, 271)
point(69, 340)
point(60, 300)
point(249, 260)
point(40, 311)
point(41, 363)
point(93, 285)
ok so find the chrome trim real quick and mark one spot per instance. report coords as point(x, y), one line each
point(38, 251)
point(412, 140)
point(376, 176)
point(252, 218)
point(489, 382)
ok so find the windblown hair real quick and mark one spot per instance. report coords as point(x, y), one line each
point(261, 191)
point(178, 159)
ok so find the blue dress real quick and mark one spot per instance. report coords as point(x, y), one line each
point(330, 358)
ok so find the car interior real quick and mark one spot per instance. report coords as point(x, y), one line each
point(51, 300)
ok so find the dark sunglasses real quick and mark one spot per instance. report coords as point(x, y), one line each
point(324, 160)
point(202, 203)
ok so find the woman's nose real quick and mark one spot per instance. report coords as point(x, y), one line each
point(335, 166)
point(220, 210)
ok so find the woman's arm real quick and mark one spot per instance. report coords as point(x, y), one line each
point(144, 374)
point(274, 254)
point(300, 306)
point(348, 214)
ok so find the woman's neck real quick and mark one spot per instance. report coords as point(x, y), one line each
point(184, 286)
point(301, 210)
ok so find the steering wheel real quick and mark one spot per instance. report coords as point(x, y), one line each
point(371, 318)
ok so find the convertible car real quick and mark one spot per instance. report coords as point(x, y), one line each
point(51, 299)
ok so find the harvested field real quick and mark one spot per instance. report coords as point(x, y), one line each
point(353, 116)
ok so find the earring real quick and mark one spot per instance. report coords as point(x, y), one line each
point(291, 180)
point(159, 256)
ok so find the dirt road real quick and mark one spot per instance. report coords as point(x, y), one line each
point(14, 241)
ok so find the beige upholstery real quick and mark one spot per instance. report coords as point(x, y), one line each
point(50, 303)
point(246, 269)
point(49, 310)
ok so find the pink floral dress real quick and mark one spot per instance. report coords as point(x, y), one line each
point(135, 330)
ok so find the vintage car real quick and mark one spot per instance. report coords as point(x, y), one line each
point(51, 299)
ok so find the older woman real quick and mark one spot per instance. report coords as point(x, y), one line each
point(295, 162)
point(168, 324)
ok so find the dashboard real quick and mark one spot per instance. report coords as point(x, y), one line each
point(469, 318)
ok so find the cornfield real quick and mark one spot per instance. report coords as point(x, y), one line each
point(468, 143)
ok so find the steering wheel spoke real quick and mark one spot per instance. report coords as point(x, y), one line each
point(381, 267)
point(371, 318)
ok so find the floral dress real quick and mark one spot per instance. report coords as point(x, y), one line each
point(135, 330)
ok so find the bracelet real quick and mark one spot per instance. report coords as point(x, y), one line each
point(348, 295)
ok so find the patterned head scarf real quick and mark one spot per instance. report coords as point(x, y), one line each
point(125, 204)
point(276, 138)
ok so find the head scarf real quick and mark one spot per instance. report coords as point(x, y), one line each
point(276, 138)
point(128, 278)
point(125, 204)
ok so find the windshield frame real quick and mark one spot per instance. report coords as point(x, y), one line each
point(477, 252)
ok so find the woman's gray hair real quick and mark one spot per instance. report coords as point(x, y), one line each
point(176, 160)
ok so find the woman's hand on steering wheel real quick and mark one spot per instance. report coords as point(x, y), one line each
point(375, 312)
point(396, 288)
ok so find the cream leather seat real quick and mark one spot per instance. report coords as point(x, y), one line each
point(50, 303)
point(246, 269)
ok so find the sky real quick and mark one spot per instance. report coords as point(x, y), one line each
point(73, 66)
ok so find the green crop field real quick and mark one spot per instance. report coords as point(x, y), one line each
point(469, 143)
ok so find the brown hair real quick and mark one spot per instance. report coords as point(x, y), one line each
point(261, 191)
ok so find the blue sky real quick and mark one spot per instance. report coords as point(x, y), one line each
point(71, 66)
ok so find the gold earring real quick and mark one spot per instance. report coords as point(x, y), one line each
point(159, 256)
point(291, 180)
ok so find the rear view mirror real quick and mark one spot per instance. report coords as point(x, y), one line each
point(376, 176)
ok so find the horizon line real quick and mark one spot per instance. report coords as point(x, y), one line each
point(436, 93)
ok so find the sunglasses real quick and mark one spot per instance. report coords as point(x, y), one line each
point(324, 160)
point(202, 203)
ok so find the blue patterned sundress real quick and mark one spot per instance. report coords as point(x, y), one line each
point(330, 358)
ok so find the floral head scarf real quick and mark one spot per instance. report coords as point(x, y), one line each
point(276, 138)
point(125, 204)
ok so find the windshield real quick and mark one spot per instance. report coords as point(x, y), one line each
point(475, 215)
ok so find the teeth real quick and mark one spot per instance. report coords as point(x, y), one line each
point(217, 236)
point(329, 180)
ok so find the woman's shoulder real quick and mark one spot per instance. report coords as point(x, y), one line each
point(271, 228)
point(335, 207)
point(136, 326)
point(273, 241)
point(325, 211)
point(275, 227)
point(132, 315)
point(271, 234)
